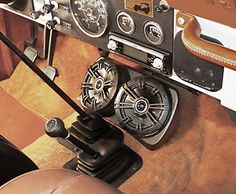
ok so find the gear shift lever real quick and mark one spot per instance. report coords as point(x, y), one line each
point(107, 157)
point(56, 128)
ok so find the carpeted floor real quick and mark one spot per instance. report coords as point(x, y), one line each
point(199, 158)
point(28, 89)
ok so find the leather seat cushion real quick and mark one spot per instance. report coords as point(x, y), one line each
point(56, 181)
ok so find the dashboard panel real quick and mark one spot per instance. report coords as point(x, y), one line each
point(144, 31)
point(140, 23)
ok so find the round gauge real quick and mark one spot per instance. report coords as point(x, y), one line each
point(125, 23)
point(153, 33)
point(90, 16)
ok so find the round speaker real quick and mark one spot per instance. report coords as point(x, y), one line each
point(144, 106)
point(100, 86)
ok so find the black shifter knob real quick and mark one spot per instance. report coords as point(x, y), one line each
point(56, 128)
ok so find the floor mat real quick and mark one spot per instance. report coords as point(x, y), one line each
point(17, 123)
point(31, 91)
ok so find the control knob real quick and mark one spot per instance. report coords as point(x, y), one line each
point(158, 64)
point(112, 45)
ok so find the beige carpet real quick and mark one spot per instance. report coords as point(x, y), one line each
point(28, 89)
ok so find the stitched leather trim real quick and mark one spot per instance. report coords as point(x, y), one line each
point(206, 53)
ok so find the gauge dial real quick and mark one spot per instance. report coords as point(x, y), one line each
point(125, 23)
point(153, 33)
point(90, 16)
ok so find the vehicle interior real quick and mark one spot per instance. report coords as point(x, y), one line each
point(117, 96)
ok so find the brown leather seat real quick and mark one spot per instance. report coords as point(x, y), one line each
point(56, 181)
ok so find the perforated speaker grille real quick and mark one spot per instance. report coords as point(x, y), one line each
point(144, 106)
point(100, 85)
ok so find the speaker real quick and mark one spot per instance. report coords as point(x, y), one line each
point(143, 106)
point(101, 85)
point(192, 69)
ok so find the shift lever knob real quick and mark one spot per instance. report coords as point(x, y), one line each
point(56, 128)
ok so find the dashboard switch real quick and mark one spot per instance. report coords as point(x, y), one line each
point(112, 45)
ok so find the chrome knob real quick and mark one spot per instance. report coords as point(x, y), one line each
point(158, 64)
point(112, 45)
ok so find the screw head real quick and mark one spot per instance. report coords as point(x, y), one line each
point(181, 21)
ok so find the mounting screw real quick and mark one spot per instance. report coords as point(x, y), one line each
point(181, 21)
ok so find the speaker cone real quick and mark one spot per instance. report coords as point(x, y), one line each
point(100, 86)
point(144, 106)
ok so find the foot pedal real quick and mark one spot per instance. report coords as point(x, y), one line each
point(31, 53)
point(51, 72)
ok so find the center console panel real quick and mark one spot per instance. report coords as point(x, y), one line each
point(141, 104)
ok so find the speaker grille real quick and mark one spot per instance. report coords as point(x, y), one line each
point(100, 85)
point(144, 106)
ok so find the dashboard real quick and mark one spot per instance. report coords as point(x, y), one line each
point(144, 31)
point(121, 27)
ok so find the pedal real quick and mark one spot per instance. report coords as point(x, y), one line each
point(31, 53)
point(51, 72)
